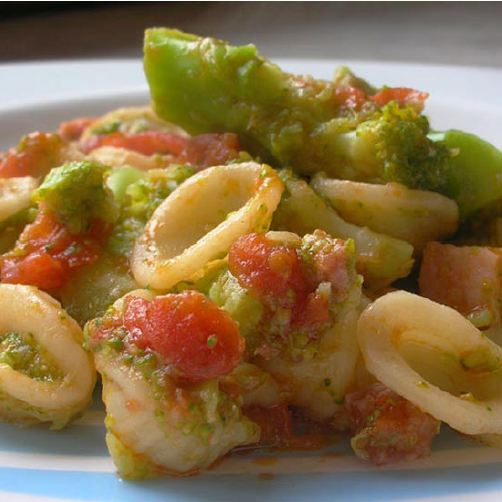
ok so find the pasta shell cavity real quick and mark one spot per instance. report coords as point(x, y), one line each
point(200, 220)
point(431, 355)
point(15, 195)
point(26, 311)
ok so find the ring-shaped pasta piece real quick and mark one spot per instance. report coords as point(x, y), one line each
point(201, 219)
point(155, 426)
point(15, 195)
point(26, 311)
point(118, 157)
point(129, 120)
point(434, 357)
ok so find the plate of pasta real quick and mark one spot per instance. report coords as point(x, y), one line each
point(261, 284)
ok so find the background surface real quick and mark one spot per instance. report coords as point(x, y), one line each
point(460, 33)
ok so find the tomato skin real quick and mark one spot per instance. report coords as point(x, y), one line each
point(146, 143)
point(207, 150)
point(190, 331)
point(350, 97)
point(35, 156)
point(268, 270)
point(403, 95)
point(47, 254)
point(73, 129)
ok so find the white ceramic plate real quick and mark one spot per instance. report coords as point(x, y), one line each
point(39, 465)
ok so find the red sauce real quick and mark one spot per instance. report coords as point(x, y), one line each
point(190, 331)
point(279, 429)
point(47, 254)
point(35, 156)
point(388, 427)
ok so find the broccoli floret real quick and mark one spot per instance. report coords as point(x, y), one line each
point(393, 146)
point(77, 193)
point(138, 201)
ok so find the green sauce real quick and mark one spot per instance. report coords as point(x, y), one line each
point(23, 354)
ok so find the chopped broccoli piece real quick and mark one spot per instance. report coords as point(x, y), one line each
point(393, 146)
point(205, 85)
point(474, 178)
point(139, 199)
point(76, 192)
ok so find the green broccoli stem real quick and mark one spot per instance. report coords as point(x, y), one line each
point(205, 85)
point(475, 178)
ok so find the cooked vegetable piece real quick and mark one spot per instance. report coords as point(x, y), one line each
point(380, 259)
point(416, 216)
point(73, 129)
point(464, 278)
point(77, 194)
point(35, 155)
point(47, 253)
point(139, 194)
point(299, 121)
point(189, 331)
point(387, 427)
point(474, 178)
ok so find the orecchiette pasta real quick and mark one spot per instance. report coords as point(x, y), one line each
point(153, 426)
point(15, 195)
point(56, 382)
point(415, 216)
point(431, 355)
point(117, 157)
point(200, 220)
point(130, 119)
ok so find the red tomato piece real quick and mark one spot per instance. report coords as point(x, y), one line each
point(73, 129)
point(388, 427)
point(190, 331)
point(403, 95)
point(464, 278)
point(47, 254)
point(314, 312)
point(268, 269)
point(35, 156)
point(208, 150)
point(146, 143)
point(350, 97)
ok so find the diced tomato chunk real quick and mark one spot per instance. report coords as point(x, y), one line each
point(314, 312)
point(208, 150)
point(73, 129)
point(190, 331)
point(403, 95)
point(268, 269)
point(388, 427)
point(464, 278)
point(146, 143)
point(35, 156)
point(47, 254)
point(350, 97)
